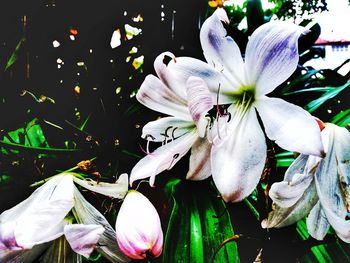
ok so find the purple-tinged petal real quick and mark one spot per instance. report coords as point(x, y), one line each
point(272, 55)
point(220, 50)
point(138, 227)
point(83, 238)
point(164, 158)
point(158, 97)
point(167, 76)
point(220, 87)
point(21, 226)
point(199, 103)
point(238, 160)
point(200, 160)
point(291, 127)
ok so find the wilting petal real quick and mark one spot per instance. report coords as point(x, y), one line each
point(166, 128)
point(329, 189)
point(86, 214)
point(280, 217)
point(60, 252)
point(199, 103)
point(22, 225)
point(317, 223)
point(138, 227)
point(287, 193)
point(116, 190)
point(238, 160)
point(199, 160)
point(219, 85)
point(157, 96)
point(293, 128)
point(167, 76)
point(220, 50)
point(164, 158)
point(342, 151)
point(272, 55)
point(83, 238)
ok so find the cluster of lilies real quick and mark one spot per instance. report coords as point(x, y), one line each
point(229, 145)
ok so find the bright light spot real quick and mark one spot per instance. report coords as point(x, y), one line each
point(59, 61)
point(59, 66)
point(72, 37)
point(80, 63)
point(125, 13)
point(138, 62)
point(55, 43)
point(73, 31)
point(128, 59)
point(118, 90)
point(90, 50)
point(61, 81)
point(77, 89)
point(138, 18)
point(133, 50)
point(131, 31)
point(111, 60)
point(162, 6)
point(162, 14)
point(116, 39)
point(133, 93)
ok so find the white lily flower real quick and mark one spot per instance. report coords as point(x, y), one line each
point(237, 160)
point(41, 218)
point(138, 228)
point(319, 188)
point(187, 102)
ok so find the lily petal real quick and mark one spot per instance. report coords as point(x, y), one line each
point(286, 194)
point(86, 214)
point(158, 97)
point(220, 50)
point(281, 217)
point(167, 76)
point(272, 55)
point(21, 226)
point(116, 190)
point(293, 128)
point(199, 160)
point(166, 128)
point(219, 85)
point(164, 158)
point(297, 179)
point(342, 151)
point(83, 238)
point(238, 160)
point(329, 189)
point(317, 223)
point(199, 103)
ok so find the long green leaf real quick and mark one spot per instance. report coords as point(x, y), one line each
point(198, 224)
point(315, 104)
point(14, 55)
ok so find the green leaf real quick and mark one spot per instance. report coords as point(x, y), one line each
point(14, 55)
point(342, 118)
point(331, 93)
point(198, 224)
point(29, 138)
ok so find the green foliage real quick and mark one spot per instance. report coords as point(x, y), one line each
point(14, 55)
point(198, 224)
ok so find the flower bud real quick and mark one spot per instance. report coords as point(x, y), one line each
point(139, 233)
